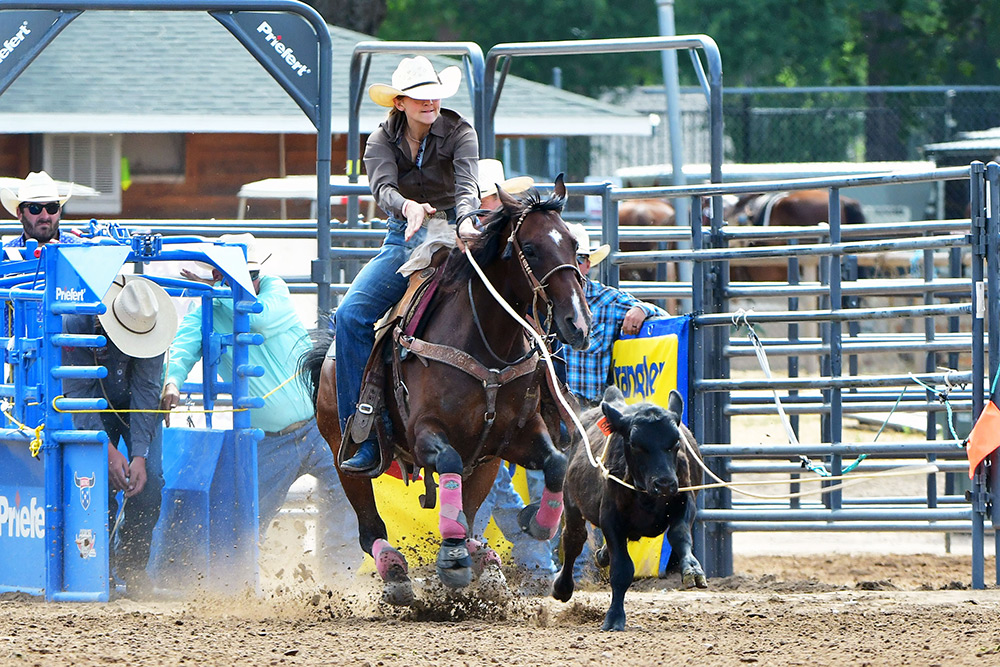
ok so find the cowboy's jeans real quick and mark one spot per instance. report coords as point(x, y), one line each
point(281, 460)
point(504, 503)
point(376, 288)
point(130, 548)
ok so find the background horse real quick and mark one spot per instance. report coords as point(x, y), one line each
point(799, 208)
point(643, 213)
point(452, 412)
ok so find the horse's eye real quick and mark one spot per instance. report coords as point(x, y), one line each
point(529, 251)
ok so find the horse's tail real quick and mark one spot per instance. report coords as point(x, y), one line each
point(311, 362)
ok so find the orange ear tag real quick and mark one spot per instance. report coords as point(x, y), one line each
point(604, 425)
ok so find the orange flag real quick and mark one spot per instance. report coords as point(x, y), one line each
point(985, 436)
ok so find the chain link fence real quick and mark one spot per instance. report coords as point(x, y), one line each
point(769, 125)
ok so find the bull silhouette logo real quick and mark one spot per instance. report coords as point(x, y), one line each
point(85, 484)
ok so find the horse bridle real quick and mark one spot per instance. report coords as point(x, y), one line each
point(537, 286)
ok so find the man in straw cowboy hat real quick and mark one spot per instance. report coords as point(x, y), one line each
point(422, 161)
point(139, 324)
point(292, 445)
point(613, 312)
point(38, 205)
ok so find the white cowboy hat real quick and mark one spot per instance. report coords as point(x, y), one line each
point(254, 259)
point(491, 175)
point(597, 254)
point(37, 187)
point(415, 77)
point(141, 319)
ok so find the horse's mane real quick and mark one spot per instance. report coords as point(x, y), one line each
point(491, 242)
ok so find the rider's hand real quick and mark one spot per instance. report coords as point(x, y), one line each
point(170, 399)
point(117, 469)
point(136, 477)
point(467, 231)
point(415, 213)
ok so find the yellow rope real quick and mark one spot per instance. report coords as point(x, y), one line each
point(35, 445)
point(92, 410)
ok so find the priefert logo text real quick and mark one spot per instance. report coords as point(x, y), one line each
point(285, 52)
point(8, 46)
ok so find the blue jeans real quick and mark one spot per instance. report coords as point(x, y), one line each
point(584, 565)
point(130, 550)
point(376, 288)
point(503, 503)
point(283, 459)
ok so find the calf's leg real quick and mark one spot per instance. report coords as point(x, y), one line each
point(573, 536)
point(679, 537)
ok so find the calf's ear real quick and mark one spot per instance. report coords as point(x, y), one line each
point(612, 394)
point(675, 403)
point(615, 416)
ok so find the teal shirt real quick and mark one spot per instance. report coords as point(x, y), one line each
point(285, 340)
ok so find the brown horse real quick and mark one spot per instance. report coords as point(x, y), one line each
point(643, 213)
point(798, 208)
point(467, 391)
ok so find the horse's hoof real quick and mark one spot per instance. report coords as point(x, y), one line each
point(398, 593)
point(454, 565)
point(492, 585)
point(483, 557)
point(526, 520)
point(613, 623)
point(603, 556)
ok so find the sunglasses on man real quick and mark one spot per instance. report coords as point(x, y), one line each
point(580, 259)
point(35, 209)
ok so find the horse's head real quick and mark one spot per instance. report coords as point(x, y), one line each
point(529, 253)
point(542, 244)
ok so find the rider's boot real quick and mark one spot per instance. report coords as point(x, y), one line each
point(366, 458)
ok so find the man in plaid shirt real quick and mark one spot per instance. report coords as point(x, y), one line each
point(612, 312)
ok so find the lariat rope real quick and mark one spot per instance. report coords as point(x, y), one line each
point(543, 348)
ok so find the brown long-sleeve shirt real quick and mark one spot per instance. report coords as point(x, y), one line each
point(448, 175)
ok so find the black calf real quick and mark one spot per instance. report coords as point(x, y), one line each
point(647, 449)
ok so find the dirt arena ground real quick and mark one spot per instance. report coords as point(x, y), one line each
point(841, 599)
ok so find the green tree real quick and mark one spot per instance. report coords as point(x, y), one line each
point(762, 42)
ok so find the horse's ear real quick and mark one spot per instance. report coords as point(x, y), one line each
point(560, 187)
point(509, 201)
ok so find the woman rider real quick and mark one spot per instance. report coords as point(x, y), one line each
point(421, 163)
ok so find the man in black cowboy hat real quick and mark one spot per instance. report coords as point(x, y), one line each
point(139, 325)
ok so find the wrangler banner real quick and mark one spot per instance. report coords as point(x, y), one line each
point(645, 367)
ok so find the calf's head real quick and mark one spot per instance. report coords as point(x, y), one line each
point(651, 438)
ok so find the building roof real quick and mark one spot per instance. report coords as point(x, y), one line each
point(172, 71)
point(976, 145)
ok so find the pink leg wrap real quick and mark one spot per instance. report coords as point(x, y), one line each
point(550, 511)
point(451, 522)
point(386, 557)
